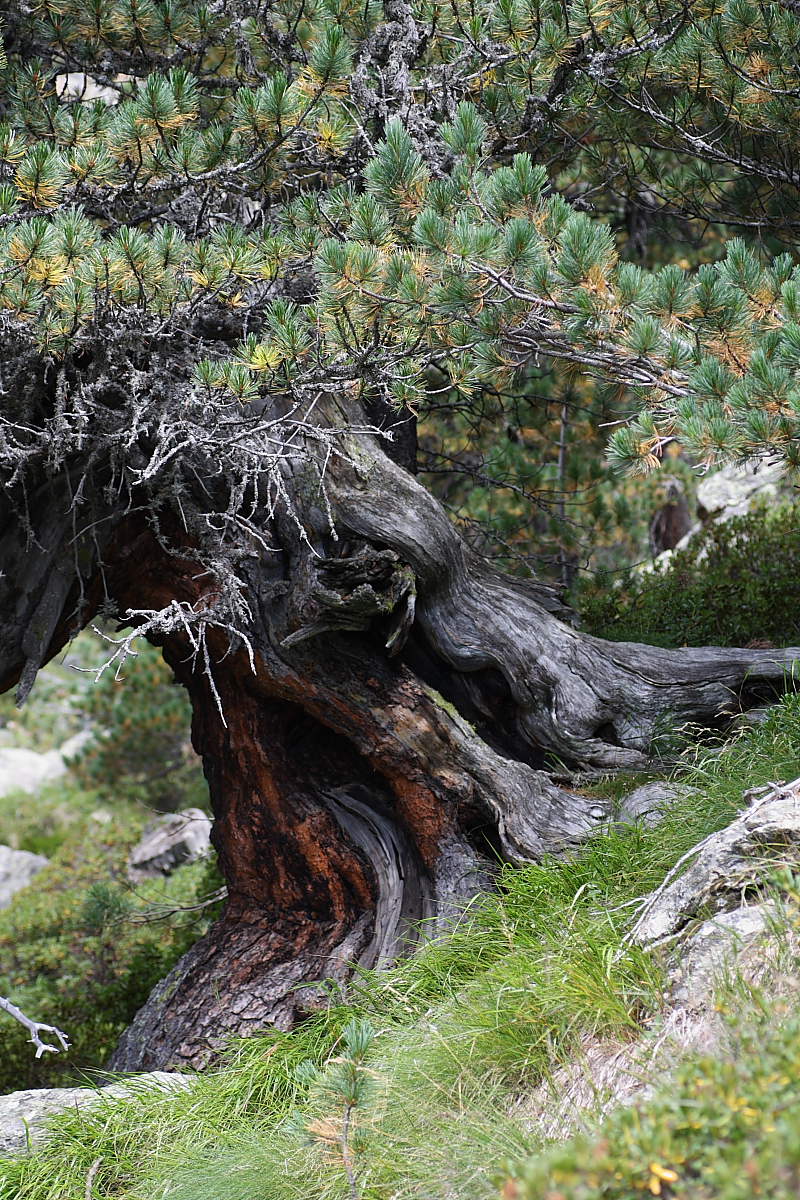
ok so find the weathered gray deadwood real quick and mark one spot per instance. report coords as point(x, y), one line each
point(36, 1029)
point(389, 721)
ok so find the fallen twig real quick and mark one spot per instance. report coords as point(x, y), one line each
point(35, 1028)
point(90, 1178)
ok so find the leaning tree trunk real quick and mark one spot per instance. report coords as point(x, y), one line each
point(385, 746)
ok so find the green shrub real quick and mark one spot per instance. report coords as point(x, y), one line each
point(141, 750)
point(77, 949)
point(726, 1129)
point(737, 582)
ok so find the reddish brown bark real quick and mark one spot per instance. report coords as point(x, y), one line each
point(351, 799)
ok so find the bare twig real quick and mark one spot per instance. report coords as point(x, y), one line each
point(90, 1178)
point(35, 1028)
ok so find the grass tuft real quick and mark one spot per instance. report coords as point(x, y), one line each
point(459, 1033)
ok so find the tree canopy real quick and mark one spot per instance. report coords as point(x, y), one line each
point(202, 205)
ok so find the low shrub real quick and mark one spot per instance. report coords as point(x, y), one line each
point(141, 750)
point(727, 1129)
point(737, 582)
point(42, 823)
point(77, 949)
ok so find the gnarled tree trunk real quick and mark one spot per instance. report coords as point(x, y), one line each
point(386, 745)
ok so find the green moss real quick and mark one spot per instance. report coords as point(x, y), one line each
point(440, 702)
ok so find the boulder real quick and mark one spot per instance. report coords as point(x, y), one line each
point(750, 944)
point(731, 491)
point(17, 869)
point(647, 803)
point(733, 941)
point(750, 719)
point(608, 1072)
point(24, 1116)
point(26, 770)
point(724, 865)
point(170, 841)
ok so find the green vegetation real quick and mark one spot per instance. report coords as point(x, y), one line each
point(56, 711)
point(430, 252)
point(142, 707)
point(240, 233)
point(737, 582)
point(443, 1047)
point(539, 255)
point(60, 810)
point(80, 948)
point(727, 1128)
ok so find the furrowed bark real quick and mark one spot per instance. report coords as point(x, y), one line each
point(389, 747)
point(593, 702)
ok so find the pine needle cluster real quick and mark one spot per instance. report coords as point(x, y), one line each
point(209, 212)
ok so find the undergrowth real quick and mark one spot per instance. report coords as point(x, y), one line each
point(454, 1036)
point(727, 1128)
point(735, 583)
point(80, 947)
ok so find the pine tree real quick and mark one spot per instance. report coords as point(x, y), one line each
point(244, 248)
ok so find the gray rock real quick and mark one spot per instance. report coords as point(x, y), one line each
point(647, 803)
point(726, 942)
point(75, 745)
point(17, 869)
point(609, 1072)
point(169, 842)
point(752, 945)
point(731, 491)
point(766, 835)
point(728, 493)
point(77, 85)
point(26, 770)
point(24, 1116)
point(750, 719)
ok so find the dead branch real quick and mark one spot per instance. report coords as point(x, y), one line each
point(36, 1028)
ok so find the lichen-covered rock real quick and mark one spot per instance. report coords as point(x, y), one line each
point(24, 1115)
point(731, 491)
point(170, 841)
point(750, 944)
point(766, 835)
point(17, 869)
point(729, 942)
point(607, 1072)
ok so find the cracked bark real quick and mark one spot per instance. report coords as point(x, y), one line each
point(358, 790)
